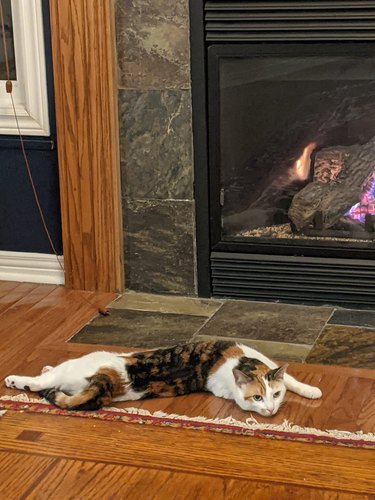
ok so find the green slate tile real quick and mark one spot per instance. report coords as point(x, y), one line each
point(129, 328)
point(347, 346)
point(268, 321)
point(353, 317)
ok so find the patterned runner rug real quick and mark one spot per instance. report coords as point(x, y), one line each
point(250, 427)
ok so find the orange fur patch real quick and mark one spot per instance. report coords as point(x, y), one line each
point(161, 388)
point(65, 401)
point(130, 361)
point(185, 357)
point(261, 370)
point(116, 379)
point(118, 384)
point(274, 384)
point(231, 352)
point(253, 388)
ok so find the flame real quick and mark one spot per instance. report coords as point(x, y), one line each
point(301, 168)
point(366, 205)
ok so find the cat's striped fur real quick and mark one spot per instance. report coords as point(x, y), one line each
point(225, 368)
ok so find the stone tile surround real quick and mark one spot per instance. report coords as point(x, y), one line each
point(281, 331)
point(156, 145)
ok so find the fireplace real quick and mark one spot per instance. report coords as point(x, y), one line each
point(284, 134)
point(293, 141)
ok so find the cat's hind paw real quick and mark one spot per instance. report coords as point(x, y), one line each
point(11, 381)
point(23, 383)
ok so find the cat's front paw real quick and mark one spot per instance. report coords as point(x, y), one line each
point(313, 393)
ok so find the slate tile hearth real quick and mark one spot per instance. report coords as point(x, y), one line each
point(321, 335)
point(140, 329)
point(351, 317)
point(268, 321)
point(167, 304)
point(345, 345)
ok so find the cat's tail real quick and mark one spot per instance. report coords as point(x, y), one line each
point(97, 394)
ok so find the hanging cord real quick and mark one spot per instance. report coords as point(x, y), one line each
point(9, 90)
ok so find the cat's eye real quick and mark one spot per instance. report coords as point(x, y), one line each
point(277, 394)
point(257, 398)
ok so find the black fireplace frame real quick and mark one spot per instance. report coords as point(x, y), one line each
point(263, 270)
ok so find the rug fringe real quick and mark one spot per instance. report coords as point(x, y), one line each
point(249, 424)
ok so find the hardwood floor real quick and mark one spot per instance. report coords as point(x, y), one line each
point(46, 456)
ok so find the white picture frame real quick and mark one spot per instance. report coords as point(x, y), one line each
point(30, 88)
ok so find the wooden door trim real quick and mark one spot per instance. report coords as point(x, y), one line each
point(85, 85)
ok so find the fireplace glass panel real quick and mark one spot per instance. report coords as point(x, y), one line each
point(297, 147)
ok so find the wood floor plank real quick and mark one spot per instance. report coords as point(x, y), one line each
point(86, 307)
point(298, 369)
point(18, 472)
point(16, 294)
point(7, 286)
point(82, 480)
point(269, 491)
point(197, 452)
point(35, 322)
point(31, 305)
point(366, 417)
point(42, 321)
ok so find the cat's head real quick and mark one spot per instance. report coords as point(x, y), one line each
point(261, 390)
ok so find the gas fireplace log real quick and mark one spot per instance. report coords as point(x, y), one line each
point(306, 204)
point(328, 163)
point(335, 197)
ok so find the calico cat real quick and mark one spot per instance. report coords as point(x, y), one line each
point(224, 368)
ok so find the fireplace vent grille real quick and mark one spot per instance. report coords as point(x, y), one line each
point(299, 279)
point(277, 20)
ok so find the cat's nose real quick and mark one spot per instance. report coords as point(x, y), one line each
point(269, 411)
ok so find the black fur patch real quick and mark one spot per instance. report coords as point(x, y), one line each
point(49, 395)
point(248, 365)
point(178, 370)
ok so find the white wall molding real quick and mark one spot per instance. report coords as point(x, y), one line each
point(30, 267)
point(30, 88)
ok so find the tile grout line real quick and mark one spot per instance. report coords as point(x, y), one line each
point(334, 309)
point(207, 320)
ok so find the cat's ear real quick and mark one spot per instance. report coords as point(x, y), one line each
point(277, 373)
point(241, 378)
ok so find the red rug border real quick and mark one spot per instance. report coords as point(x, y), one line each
point(133, 418)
